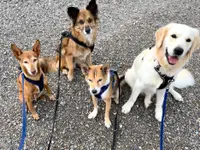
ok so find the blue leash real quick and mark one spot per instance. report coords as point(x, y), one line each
point(23, 117)
point(163, 118)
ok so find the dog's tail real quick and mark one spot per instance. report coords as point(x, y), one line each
point(48, 64)
point(183, 79)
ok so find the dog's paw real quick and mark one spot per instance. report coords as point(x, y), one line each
point(36, 116)
point(52, 97)
point(93, 114)
point(158, 116)
point(65, 71)
point(126, 108)
point(147, 103)
point(116, 100)
point(107, 123)
point(178, 97)
point(70, 77)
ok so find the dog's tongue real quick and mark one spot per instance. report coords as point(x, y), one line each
point(173, 59)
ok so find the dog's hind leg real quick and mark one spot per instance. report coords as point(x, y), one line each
point(136, 90)
point(175, 94)
point(130, 77)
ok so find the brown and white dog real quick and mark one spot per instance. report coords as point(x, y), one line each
point(35, 80)
point(175, 44)
point(83, 29)
point(103, 85)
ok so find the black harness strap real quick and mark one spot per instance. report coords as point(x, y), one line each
point(38, 83)
point(166, 79)
point(69, 35)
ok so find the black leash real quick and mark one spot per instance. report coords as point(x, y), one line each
point(57, 96)
point(115, 127)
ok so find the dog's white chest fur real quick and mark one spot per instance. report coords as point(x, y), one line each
point(143, 69)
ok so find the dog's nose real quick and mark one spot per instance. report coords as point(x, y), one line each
point(33, 72)
point(87, 30)
point(94, 91)
point(178, 51)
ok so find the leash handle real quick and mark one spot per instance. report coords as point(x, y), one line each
point(163, 119)
point(23, 117)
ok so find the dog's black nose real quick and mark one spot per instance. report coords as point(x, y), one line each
point(178, 51)
point(94, 91)
point(87, 30)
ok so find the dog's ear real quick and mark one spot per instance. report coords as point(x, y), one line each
point(73, 13)
point(160, 36)
point(93, 8)
point(106, 68)
point(36, 47)
point(195, 45)
point(85, 69)
point(16, 51)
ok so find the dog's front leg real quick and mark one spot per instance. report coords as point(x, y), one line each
point(93, 114)
point(89, 59)
point(159, 104)
point(30, 107)
point(69, 60)
point(107, 112)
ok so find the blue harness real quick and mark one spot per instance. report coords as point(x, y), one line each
point(39, 83)
point(105, 87)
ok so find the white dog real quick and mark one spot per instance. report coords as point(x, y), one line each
point(153, 68)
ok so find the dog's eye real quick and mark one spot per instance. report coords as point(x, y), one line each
point(81, 22)
point(188, 40)
point(90, 80)
point(34, 60)
point(89, 20)
point(174, 36)
point(99, 80)
point(25, 62)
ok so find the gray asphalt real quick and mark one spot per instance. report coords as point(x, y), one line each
point(125, 28)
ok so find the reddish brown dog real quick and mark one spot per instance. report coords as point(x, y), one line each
point(31, 70)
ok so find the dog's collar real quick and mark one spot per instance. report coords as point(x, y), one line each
point(166, 79)
point(38, 83)
point(105, 87)
point(69, 35)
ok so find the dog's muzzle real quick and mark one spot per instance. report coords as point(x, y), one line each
point(178, 51)
point(172, 60)
point(87, 30)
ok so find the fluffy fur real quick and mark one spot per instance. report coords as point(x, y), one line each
point(175, 44)
point(84, 28)
point(97, 76)
point(29, 63)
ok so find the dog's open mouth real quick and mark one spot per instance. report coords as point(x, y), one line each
point(172, 60)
